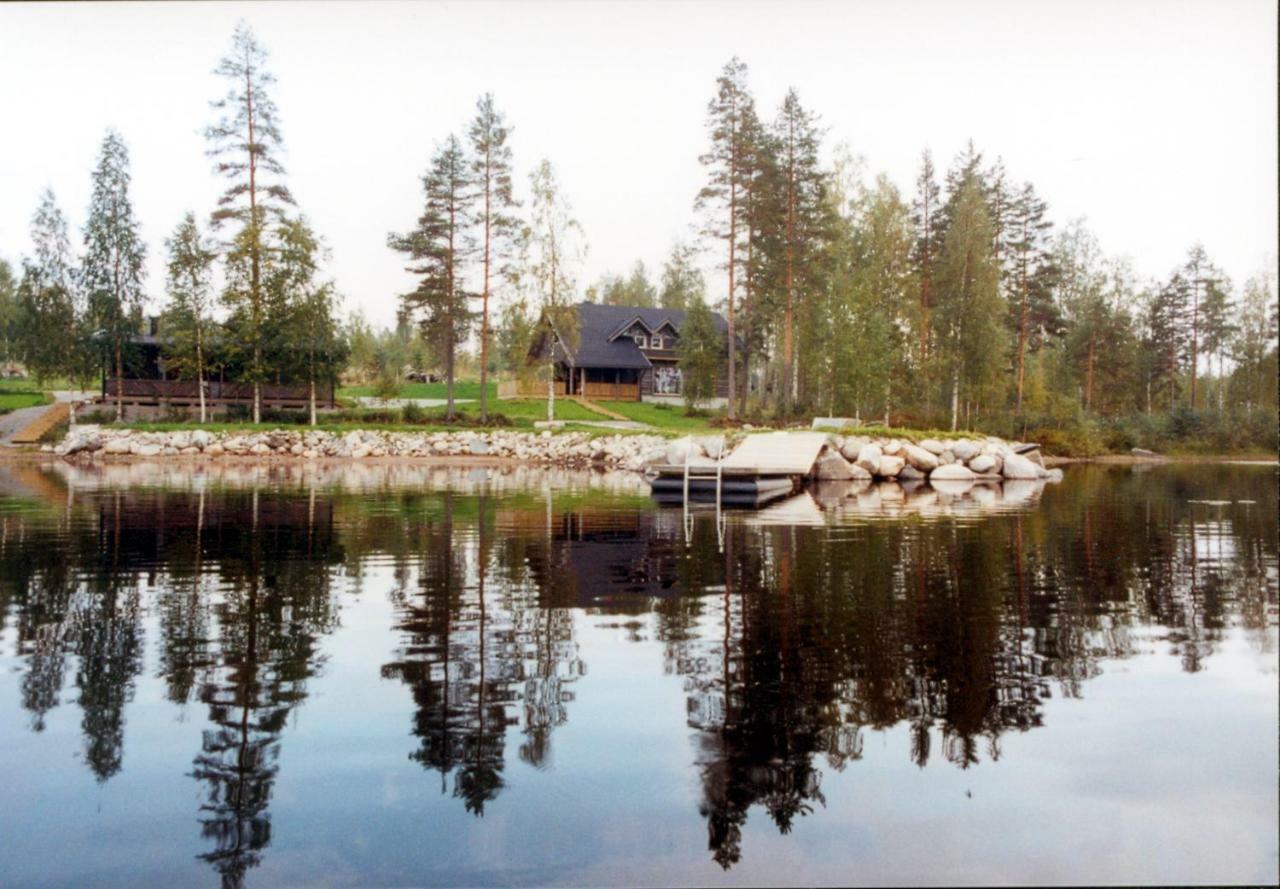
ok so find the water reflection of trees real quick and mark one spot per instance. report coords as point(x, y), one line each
point(488, 644)
point(791, 642)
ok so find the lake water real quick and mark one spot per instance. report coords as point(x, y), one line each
point(397, 675)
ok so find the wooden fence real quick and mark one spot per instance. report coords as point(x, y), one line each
point(216, 392)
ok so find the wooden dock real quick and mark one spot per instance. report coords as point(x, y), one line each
point(761, 469)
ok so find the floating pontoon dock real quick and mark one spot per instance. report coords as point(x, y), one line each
point(760, 470)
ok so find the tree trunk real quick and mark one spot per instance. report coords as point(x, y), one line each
point(200, 375)
point(955, 398)
point(1088, 374)
point(312, 399)
point(551, 388)
point(1195, 342)
point(484, 301)
point(119, 381)
point(1023, 318)
point(733, 243)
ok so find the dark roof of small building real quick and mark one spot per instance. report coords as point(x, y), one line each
point(598, 323)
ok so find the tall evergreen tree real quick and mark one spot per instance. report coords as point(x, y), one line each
point(189, 314)
point(1031, 283)
point(1200, 275)
point(491, 172)
point(798, 140)
point(1168, 340)
point(438, 249)
point(925, 209)
point(969, 314)
point(721, 198)
point(1254, 344)
point(245, 143)
point(112, 270)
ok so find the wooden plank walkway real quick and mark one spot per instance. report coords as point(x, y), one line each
point(52, 416)
point(776, 453)
point(592, 406)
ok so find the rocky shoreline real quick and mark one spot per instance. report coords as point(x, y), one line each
point(845, 458)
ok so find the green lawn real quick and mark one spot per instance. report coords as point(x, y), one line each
point(461, 389)
point(12, 399)
point(660, 416)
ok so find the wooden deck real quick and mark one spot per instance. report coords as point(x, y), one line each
point(776, 453)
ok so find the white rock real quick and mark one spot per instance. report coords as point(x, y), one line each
point(918, 457)
point(891, 447)
point(201, 438)
point(982, 464)
point(954, 472)
point(946, 458)
point(1018, 467)
point(1055, 475)
point(890, 466)
point(678, 449)
point(964, 449)
point(869, 458)
point(933, 446)
point(832, 467)
point(117, 446)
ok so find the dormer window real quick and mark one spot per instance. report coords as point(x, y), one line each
point(657, 342)
point(641, 340)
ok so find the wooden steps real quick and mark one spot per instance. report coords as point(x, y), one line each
point(31, 433)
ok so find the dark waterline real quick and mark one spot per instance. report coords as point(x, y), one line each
point(400, 676)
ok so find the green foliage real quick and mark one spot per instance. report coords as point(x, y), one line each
point(437, 250)
point(701, 353)
point(682, 280)
point(12, 399)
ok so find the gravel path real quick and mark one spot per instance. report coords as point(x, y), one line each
point(16, 421)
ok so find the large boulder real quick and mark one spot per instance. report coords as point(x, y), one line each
point(831, 467)
point(681, 448)
point(965, 449)
point(920, 458)
point(983, 464)
point(120, 445)
point(1019, 467)
point(853, 446)
point(892, 447)
point(201, 438)
point(890, 466)
point(952, 472)
point(933, 446)
point(869, 458)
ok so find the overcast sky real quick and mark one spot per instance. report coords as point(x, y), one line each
point(1156, 120)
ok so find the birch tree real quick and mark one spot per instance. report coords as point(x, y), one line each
point(189, 315)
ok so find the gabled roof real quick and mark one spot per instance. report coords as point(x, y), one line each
point(600, 329)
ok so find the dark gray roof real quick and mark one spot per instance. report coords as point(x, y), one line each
point(597, 323)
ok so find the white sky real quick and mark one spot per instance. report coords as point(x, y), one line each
point(1156, 120)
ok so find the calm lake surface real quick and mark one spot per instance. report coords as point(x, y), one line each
point(398, 675)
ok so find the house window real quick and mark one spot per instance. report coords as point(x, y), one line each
point(640, 340)
point(657, 342)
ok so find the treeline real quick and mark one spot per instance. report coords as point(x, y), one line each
point(960, 304)
point(274, 315)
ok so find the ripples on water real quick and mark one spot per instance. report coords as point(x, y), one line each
point(407, 675)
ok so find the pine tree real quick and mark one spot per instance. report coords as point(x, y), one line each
point(1032, 279)
point(112, 270)
point(553, 242)
point(1217, 313)
point(721, 198)
point(491, 172)
point(1168, 339)
point(438, 249)
point(682, 280)
point(925, 209)
point(245, 143)
point(189, 315)
point(1200, 274)
point(1254, 344)
point(796, 133)
point(968, 319)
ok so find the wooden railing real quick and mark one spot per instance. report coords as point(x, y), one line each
point(186, 391)
point(612, 391)
point(527, 388)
